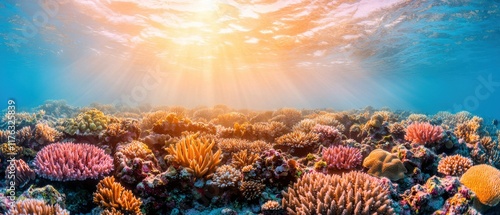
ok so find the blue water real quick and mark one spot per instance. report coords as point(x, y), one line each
point(425, 56)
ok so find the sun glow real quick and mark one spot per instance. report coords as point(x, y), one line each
point(218, 51)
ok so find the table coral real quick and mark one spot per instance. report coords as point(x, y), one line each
point(423, 133)
point(381, 163)
point(341, 157)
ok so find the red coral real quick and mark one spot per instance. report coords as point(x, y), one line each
point(341, 157)
point(423, 133)
point(71, 162)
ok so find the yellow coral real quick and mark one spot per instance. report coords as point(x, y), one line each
point(111, 195)
point(484, 181)
point(469, 130)
point(46, 134)
point(243, 158)
point(196, 154)
point(381, 163)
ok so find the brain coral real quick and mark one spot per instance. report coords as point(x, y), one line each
point(484, 181)
point(353, 193)
point(454, 165)
point(381, 163)
point(423, 133)
point(70, 162)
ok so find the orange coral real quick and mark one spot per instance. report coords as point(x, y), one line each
point(233, 145)
point(271, 207)
point(298, 139)
point(45, 134)
point(196, 154)
point(381, 163)
point(454, 165)
point(244, 158)
point(229, 119)
point(469, 130)
point(484, 181)
point(35, 206)
point(111, 195)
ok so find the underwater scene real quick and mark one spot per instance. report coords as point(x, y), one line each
point(258, 107)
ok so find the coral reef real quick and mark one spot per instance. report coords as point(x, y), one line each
point(251, 189)
point(90, 122)
point(134, 161)
point(455, 165)
point(351, 193)
point(423, 133)
point(484, 181)
point(342, 157)
point(196, 154)
point(22, 176)
point(70, 161)
point(226, 176)
point(381, 163)
point(243, 158)
point(45, 134)
point(114, 198)
point(34, 206)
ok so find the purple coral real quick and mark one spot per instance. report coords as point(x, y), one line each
point(328, 134)
point(72, 162)
point(342, 157)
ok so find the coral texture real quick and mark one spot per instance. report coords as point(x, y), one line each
point(251, 189)
point(45, 134)
point(342, 157)
point(134, 161)
point(112, 195)
point(454, 165)
point(381, 163)
point(23, 173)
point(423, 133)
point(271, 208)
point(484, 181)
point(38, 207)
point(70, 162)
point(243, 158)
point(226, 176)
point(353, 193)
point(196, 154)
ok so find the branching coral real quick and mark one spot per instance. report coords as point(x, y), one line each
point(229, 119)
point(454, 165)
point(328, 135)
point(243, 158)
point(484, 181)
point(134, 161)
point(268, 131)
point(70, 161)
point(423, 133)
point(469, 130)
point(46, 134)
point(341, 157)
point(38, 207)
point(251, 189)
point(381, 163)
point(196, 154)
point(353, 193)
point(226, 176)
point(233, 145)
point(111, 195)
point(23, 174)
point(298, 139)
point(289, 116)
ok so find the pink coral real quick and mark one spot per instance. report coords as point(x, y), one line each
point(423, 133)
point(70, 162)
point(342, 157)
point(22, 173)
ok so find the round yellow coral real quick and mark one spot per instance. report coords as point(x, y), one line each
point(484, 181)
